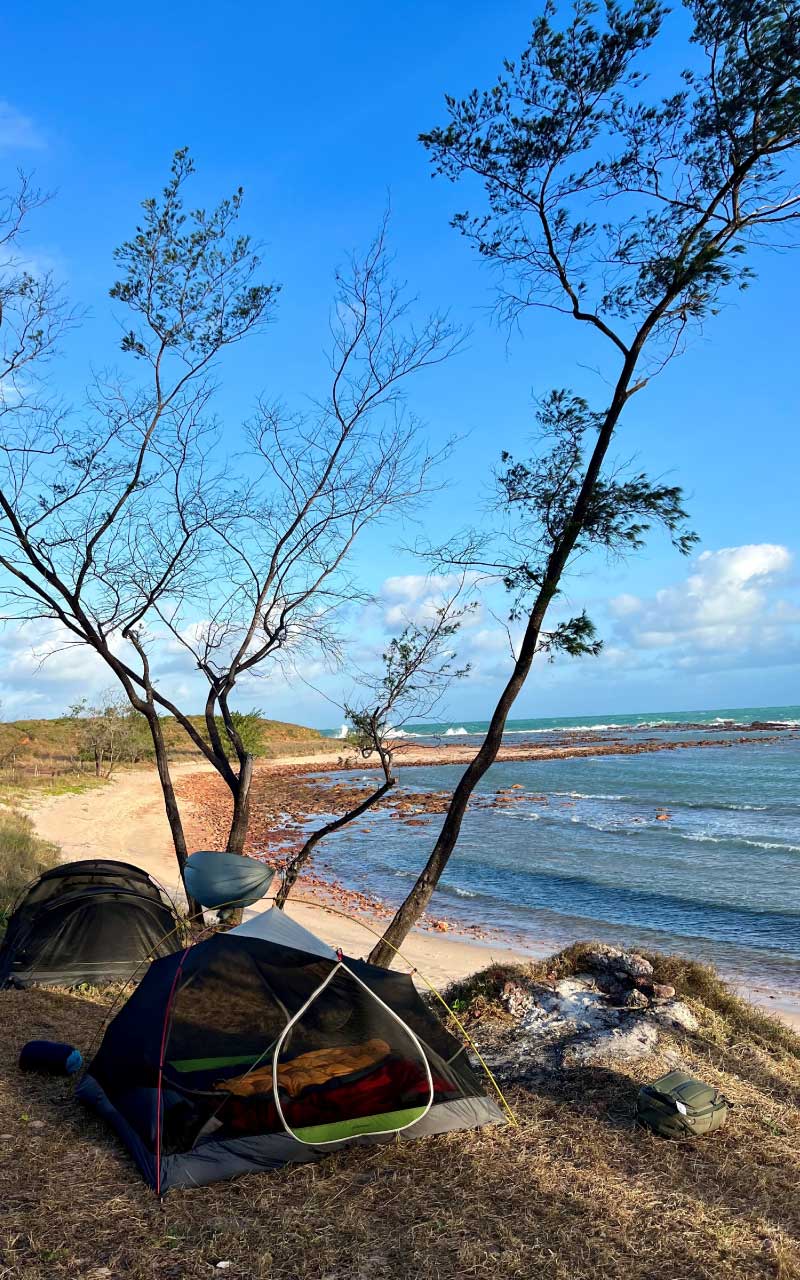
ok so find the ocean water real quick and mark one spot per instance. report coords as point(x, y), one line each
point(583, 855)
point(639, 721)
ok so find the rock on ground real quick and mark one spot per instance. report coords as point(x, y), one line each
point(612, 1012)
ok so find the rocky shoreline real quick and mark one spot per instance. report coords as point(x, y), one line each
point(288, 797)
point(407, 753)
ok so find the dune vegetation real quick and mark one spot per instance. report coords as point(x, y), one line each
point(34, 750)
point(23, 856)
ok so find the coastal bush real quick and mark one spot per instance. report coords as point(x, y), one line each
point(701, 984)
point(23, 856)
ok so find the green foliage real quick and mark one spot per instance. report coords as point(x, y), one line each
point(111, 732)
point(576, 637)
point(542, 493)
point(249, 727)
point(23, 856)
point(188, 277)
point(684, 182)
point(417, 668)
point(630, 213)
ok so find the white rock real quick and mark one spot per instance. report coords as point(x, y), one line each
point(674, 1013)
point(613, 959)
point(616, 1045)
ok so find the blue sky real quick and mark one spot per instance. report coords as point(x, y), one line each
point(315, 110)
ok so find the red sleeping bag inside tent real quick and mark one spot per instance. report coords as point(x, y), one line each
point(393, 1083)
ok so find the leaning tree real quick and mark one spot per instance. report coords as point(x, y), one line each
point(630, 212)
point(141, 527)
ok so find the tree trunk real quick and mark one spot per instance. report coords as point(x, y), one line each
point(241, 807)
point(411, 909)
point(406, 916)
point(297, 863)
point(171, 806)
point(239, 824)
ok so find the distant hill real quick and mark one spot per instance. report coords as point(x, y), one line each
point(56, 743)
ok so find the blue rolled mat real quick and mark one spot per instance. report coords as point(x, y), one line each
point(48, 1055)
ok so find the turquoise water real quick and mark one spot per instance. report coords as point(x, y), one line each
point(635, 720)
point(582, 854)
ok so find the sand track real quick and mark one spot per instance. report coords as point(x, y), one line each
point(125, 819)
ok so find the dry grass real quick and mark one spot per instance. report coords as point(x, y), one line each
point(23, 857)
point(576, 1192)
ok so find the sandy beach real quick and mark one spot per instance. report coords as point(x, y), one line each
point(125, 819)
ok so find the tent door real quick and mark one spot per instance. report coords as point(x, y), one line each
point(394, 1087)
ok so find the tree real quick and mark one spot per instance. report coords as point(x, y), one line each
point(132, 519)
point(110, 732)
point(630, 214)
point(417, 668)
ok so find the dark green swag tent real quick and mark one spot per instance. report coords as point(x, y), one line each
point(239, 1054)
point(95, 921)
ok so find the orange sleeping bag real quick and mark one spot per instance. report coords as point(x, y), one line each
point(314, 1068)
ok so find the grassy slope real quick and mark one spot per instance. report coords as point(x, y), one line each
point(576, 1192)
point(23, 856)
point(56, 740)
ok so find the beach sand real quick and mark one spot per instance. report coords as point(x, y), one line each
point(125, 820)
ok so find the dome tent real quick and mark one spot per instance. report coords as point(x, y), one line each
point(91, 921)
point(275, 926)
point(239, 1054)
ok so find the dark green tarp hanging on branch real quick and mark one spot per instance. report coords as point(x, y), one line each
point(225, 879)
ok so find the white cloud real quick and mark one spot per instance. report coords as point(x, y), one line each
point(415, 597)
point(624, 605)
point(726, 611)
point(43, 671)
point(17, 131)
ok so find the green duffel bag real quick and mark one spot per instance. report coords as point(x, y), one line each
point(678, 1106)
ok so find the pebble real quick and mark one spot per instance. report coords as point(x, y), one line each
point(663, 991)
point(637, 1000)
